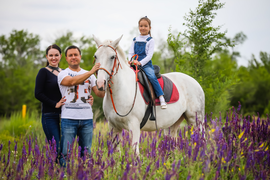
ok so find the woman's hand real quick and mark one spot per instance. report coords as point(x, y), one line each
point(61, 102)
point(91, 100)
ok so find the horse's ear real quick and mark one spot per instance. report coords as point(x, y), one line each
point(116, 42)
point(97, 41)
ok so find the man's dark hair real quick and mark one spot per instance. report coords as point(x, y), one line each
point(72, 47)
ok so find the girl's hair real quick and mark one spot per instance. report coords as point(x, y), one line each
point(54, 46)
point(148, 20)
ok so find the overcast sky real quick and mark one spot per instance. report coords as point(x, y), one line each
point(108, 19)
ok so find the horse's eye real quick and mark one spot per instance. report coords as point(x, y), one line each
point(112, 57)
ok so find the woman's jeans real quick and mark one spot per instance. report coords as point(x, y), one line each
point(150, 73)
point(51, 127)
point(69, 129)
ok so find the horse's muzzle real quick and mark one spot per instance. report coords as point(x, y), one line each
point(102, 88)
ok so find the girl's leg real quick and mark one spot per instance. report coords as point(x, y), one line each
point(150, 73)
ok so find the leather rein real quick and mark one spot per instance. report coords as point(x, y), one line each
point(116, 65)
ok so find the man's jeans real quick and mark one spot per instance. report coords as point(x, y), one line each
point(51, 127)
point(69, 129)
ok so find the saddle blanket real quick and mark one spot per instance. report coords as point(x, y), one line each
point(171, 94)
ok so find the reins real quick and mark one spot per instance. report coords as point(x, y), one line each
point(110, 81)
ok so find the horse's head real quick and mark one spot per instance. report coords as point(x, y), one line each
point(106, 55)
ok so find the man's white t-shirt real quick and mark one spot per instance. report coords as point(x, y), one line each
point(77, 97)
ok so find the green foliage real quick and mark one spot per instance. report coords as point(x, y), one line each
point(18, 68)
point(15, 127)
point(19, 49)
point(200, 52)
point(253, 89)
point(21, 61)
point(204, 39)
point(86, 45)
point(220, 76)
point(163, 57)
point(239, 38)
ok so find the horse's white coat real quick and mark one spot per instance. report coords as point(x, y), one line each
point(191, 100)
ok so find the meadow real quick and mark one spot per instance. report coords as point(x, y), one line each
point(234, 147)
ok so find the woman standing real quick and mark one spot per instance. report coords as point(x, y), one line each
point(48, 93)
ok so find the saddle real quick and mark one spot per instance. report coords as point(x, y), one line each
point(171, 93)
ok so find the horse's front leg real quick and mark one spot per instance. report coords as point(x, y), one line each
point(134, 126)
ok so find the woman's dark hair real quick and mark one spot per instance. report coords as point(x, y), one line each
point(72, 47)
point(148, 20)
point(54, 46)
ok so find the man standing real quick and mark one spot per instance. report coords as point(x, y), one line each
point(76, 84)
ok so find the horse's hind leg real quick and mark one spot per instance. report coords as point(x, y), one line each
point(191, 118)
point(173, 129)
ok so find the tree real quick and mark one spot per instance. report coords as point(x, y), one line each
point(238, 39)
point(253, 89)
point(195, 49)
point(20, 53)
point(204, 39)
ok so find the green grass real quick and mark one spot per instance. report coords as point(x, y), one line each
point(16, 129)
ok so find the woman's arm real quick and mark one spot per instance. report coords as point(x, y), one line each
point(40, 86)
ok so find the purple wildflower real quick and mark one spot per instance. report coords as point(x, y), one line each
point(239, 107)
point(188, 178)
point(15, 147)
point(178, 164)
point(79, 151)
point(148, 168)
point(20, 165)
point(157, 164)
point(37, 152)
point(167, 176)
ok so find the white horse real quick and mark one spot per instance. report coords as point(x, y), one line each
point(191, 96)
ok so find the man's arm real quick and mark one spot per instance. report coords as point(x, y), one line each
point(98, 93)
point(72, 81)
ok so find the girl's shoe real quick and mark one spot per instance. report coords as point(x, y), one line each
point(163, 105)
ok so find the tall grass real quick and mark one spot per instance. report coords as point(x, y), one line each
point(232, 148)
point(16, 129)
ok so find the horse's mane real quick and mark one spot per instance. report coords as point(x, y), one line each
point(121, 54)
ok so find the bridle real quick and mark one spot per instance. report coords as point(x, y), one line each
point(116, 66)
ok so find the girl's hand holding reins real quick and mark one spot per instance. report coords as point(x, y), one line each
point(137, 62)
point(61, 102)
